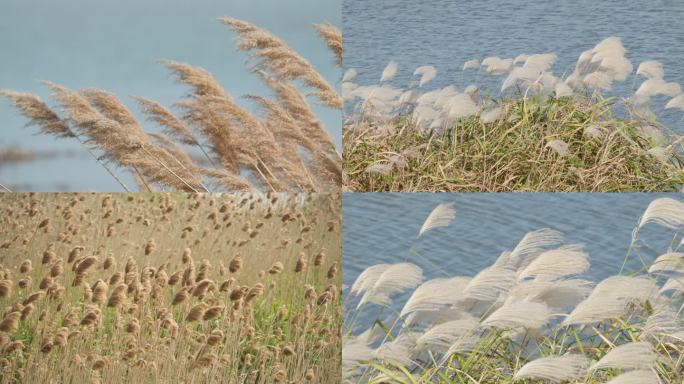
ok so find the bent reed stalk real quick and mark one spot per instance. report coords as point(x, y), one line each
point(529, 317)
point(538, 132)
point(283, 147)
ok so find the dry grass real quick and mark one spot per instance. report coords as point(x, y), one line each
point(281, 147)
point(236, 288)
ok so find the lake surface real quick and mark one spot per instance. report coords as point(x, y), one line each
point(381, 227)
point(446, 33)
point(115, 46)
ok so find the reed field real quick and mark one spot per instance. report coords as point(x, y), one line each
point(170, 288)
point(207, 141)
point(538, 132)
point(530, 317)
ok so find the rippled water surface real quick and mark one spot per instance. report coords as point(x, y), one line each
point(381, 227)
point(446, 33)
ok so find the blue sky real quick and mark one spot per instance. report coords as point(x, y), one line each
point(115, 45)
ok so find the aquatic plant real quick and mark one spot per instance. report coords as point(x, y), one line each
point(537, 132)
point(170, 287)
point(214, 143)
point(529, 317)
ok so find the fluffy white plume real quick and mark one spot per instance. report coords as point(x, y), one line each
point(397, 350)
point(563, 90)
point(674, 283)
point(471, 64)
point(654, 87)
point(634, 355)
point(368, 277)
point(540, 62)
point(598, 80)
point(612, 298)
point(389, 71)
point(489, 283)
point(651, 69)
point(427, 73)
point(554, 368)
point(663, 321)
point(491, 115)
point(676, 102)
point(349, 75)
point(354, 351)
point(395, 279)
point(564, 261)
point(636, 377)
point(533, 242)
point(435, 294)
point(664, 211)
point(555, 294)
point(669, 262)
point(525, 314)
point(442, 336)
point(497, 66)
point(441, 216)
point(459, 106)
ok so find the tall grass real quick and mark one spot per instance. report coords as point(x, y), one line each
point(237, 288)
point(529, 317)
point(537, 132)
point(211, 143)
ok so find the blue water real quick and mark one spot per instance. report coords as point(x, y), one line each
point(381, 227)
point(446, 33)
point(114, 45)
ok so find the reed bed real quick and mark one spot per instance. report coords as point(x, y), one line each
point(154, 287)
point(530, 317)
point(537, 132)
point(279, 145)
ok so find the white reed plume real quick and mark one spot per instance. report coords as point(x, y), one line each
point(441, 216)
point(650, 69)
point(426, 72)
point(563, 90)
point(674, 283)
point(557, 294)
point(520, 58)
point(395, 279)
point(491, 115)
point(676, 102)
point(555, 368)
point(397, 351)
point(654, 87)
point(664, 211)
point(460, 106)
point(435, 294)
point(349, 75)
point(598, 80)
point(534, 242)
point(367, 278)
point(636, 377)
point(564, 261)
point(355, 350)
point(497, 66)
point(669, 262)
point(662, 322)
point(612, 298)
point(489, 283)
point(525, 314)
point(442, 336)
point(609, 54)
point(540, 62)
point(389, 71)
point(524, 75)
point(471, 64)
point(634, 355)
